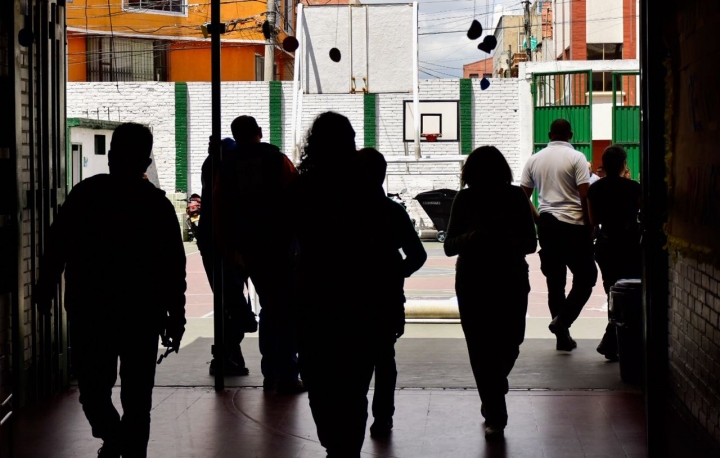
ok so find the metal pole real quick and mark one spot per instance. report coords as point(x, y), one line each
point(296, 82)
point(269, 73)
point(218, 349)
point(416, 81)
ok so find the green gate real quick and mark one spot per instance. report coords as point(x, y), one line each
point(566, 95)
point(626, 118)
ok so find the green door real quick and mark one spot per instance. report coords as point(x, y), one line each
point(566, 95)
point(626, 117)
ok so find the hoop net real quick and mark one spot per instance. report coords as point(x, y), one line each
point(431, 137)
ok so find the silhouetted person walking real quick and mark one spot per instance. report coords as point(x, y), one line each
point(491, 230)
point(403, 236)
point(239, 317)
point(125, 286)
point(614, 205)
point(560, 174)
point(253, 218)
point(340, 280)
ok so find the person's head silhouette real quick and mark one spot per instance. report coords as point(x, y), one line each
point(331, 139)
point(374, 165)
point(614, 161)
point(560, 131)
point(245, 130)
point(130, 150)
point(486, 166)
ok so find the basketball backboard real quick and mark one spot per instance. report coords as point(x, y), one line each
point(438, 118)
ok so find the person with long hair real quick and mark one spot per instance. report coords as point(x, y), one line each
point(491, 230)
point(341, 281)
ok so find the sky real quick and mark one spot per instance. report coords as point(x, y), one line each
point(444, 46)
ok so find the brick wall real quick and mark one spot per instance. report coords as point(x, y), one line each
point(630, 32)
point(578, 30)
point(694, 324)
point(147, 103)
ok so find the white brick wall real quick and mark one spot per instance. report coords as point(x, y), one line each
point(144, 102)
point(238, 98)
point(495, 111)
point(496, 119)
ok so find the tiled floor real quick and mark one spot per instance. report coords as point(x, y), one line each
point(195, 422)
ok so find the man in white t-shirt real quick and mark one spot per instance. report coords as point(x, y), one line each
point(560, 174)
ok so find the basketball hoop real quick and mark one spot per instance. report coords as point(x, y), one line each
point(431, 137)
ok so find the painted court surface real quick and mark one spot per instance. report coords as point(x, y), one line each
point(434, 283)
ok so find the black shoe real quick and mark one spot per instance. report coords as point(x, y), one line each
point(494, 433)
point(268, 384)
point(295, 387)
point(609, 354)
point(108, 451)
point(381, 427)
point(232, 369)
point(562, 334)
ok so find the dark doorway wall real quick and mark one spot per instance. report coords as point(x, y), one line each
point(682, 206)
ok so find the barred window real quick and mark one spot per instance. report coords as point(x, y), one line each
point(169, 6)
point(125, 59)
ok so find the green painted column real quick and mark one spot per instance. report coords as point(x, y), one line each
point(276, 128)
point(370, 120)
point(181, 137)
point(466, 141)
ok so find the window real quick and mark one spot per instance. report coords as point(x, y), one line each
point(259, 67)
point(168, 6)
point(602, 82)
point(604, 51)
point(100, 145)
point(473, 75)
point(126, 59)
point(487, 75)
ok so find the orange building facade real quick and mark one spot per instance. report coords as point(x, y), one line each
point(162, 40)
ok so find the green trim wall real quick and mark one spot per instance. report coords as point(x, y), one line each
point(276, 124)
point(370, 120)
point(181, 136)
point(466, 121)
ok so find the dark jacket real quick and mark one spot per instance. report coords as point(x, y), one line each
point(120, 245)
point(348, 266)
point(491, 230)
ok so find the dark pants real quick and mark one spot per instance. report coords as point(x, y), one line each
point(563, 246)
point(237, 309)
point(492, 314)
point(96, 350)
point(336, 368)
point(618, 258)
point(272, 277)
point(383, 405)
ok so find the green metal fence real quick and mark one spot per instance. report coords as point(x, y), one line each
point(626, 117)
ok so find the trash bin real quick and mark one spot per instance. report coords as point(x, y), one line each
point(626, 314)
point(437, 204)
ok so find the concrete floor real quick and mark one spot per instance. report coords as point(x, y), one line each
point(245, 423)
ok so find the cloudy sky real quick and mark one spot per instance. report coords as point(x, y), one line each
point(444, 47)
